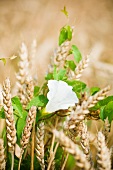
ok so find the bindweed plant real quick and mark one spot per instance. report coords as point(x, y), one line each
point(46, 127)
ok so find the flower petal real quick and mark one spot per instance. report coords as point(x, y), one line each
point(60, 96)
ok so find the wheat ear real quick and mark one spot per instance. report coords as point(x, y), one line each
point(40, 144)
point(80, 68)
point(60, 55)
point(103, 155)
point(23, 73)
point(82, 111)
point(84, 135)
point(106, 130)
point(73, 149)
point(27, 131)
point(2, 156)
point(10, 124)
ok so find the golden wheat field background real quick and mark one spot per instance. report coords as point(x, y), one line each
point(41, 20)
point(26, 20)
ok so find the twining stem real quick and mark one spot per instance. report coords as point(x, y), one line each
point(32, 146)
point(12, 161)
point(64, 164)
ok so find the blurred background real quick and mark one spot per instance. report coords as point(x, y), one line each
point(26, 20)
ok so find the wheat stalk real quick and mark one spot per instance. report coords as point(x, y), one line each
point(103, 155)
point(40, 144)
point(73, 149)
point(2, 156)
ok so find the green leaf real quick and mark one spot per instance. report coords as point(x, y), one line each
point(58, 158)
point(101, 103)
point(20, 126)
point(65, 11)
point(36, 90)
point(94, 90)
point(2, 113)
point(105, 101)
point(78, 86)
point(101, 113)
point(59, 75)
point(65, 34)
point(70, 64)
point(49, 76)
point(108, 111)
point(17, 106)
point(77, 55)
point(70, 162)
point(38, 101)
point(3, 60)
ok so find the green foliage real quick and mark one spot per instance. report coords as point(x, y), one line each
point(20, 126)
point(38, 101)
point(78, 86)
point(77, 55)
point(107, 111)
point(49, 76)
point(65, 11)
point(70, 64)
point(36, 90)
point(70, 162)
point(94, 90)
point(102, 103)
point(106, 108)
point(2, 114)
point(65, 34)
point(3, 60)
point(17, 106)
point(58, 157)
point(59, 75)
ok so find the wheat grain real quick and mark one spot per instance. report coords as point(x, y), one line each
point(84, 135)
point(10, 124)
point(27, 129)
point(79, 69)
point(29, 88)
point(40, 144)
point(23, 73)
point(60, 56)
point(2, 156)
point(103, 155)
point(106, 130)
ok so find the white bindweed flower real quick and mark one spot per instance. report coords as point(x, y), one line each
point(60, 96)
